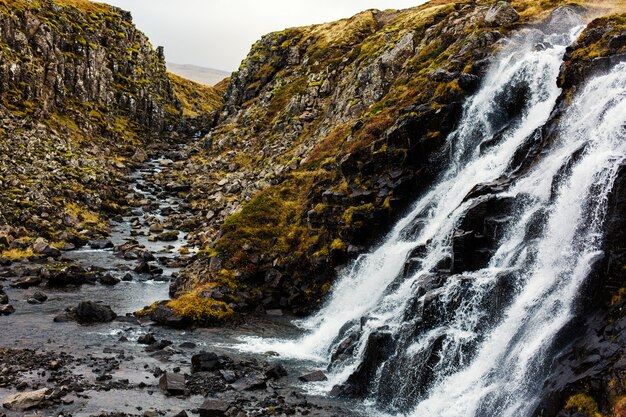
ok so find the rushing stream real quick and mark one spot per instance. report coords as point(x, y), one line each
point(110, 351)
point(429, 338)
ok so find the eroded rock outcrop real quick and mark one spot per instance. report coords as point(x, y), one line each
point(80, 89)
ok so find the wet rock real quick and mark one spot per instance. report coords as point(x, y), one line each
point(101, 244)
point(26, 400)
point(315, 376)
point(213, 408)
point(274, 312)
point(188, 345)
point(71, 275)
point(204, 362)
point(91, 312)
point(37, 298)
point(42, 247)
point(4, 299)
point(127, 277)
point(276, 371)
point(148, 268)
point(146, 339)
point(26, 282)
point(156, 228)
point(168, 236)
point(165, 316)
point(228, 375)
point(6, 309)
point(502, 13)
point(564, 18)
point(182, 414)
point(249, 383)
point(378, 349)
point(172, 384)
point(109, 279)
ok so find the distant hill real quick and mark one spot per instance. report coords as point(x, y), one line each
point(207, 76)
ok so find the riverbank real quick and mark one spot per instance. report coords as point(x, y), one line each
point(129, 365)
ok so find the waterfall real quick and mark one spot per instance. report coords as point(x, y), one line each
point(421, 331)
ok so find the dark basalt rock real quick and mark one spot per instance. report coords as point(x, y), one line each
point(475, 240)
point(91, 312)
point(379, 347)
point(146, 339)
point(71, 275)
point(6, 309)
point(205, 361)
point(213, 408)
point(37, 298)
point(276, 371)
point(101, 244)
point(315, 376)
point(109, 279)
point(26, 282)
point(172, 384)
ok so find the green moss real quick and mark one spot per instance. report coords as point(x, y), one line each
point(198, 308)
point(18, 254)
point(583, 403)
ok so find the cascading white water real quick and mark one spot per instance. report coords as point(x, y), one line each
point(498, 381)
point(362, 289)
point(487, 360)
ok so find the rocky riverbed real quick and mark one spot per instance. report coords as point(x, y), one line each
point(71, 344)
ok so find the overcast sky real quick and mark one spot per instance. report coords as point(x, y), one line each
point(218, 33)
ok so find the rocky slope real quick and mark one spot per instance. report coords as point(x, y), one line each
point(80, 89)
point(326, 135)
point(328, 132)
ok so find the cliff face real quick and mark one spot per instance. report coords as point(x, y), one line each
point(80, 88)
point(323, 139)
point(327, 134)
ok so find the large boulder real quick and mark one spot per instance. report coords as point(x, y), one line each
point(92, 312)
point(501, 14)
point(172, 384)
point(25, 400)
point(204, 362)
point(213, 408)
point(42, 247)
point(564, 18)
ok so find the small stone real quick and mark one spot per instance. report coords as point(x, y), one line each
point(6, 309)
point(146, 339)
point(229, 376)
point(39, 296)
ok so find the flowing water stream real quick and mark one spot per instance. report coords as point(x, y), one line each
point(477, 342)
